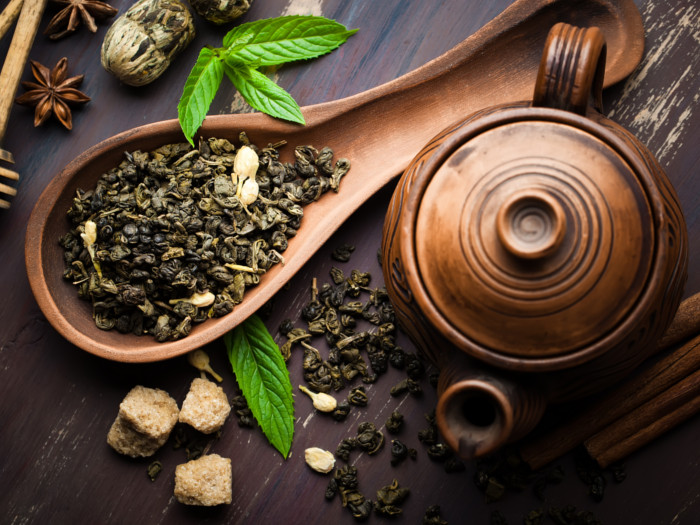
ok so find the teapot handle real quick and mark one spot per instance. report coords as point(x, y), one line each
point(571, 70)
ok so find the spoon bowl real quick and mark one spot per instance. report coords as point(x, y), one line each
point(379, 131)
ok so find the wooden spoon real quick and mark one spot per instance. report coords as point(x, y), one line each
point(379, 130)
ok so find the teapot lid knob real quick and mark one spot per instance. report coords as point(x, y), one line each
point(531, 224)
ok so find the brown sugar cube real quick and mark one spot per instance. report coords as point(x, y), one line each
point(124, 439)
point(205, 407)
point(205, 481)
point(149, 411)
point(146, 417)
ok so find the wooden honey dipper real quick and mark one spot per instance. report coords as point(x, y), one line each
point(28, 14)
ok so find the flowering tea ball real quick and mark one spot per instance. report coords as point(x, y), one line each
point(221, 11)
point(141, 43)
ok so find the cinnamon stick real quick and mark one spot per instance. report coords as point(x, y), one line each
point(22, 40)
point(9, 15)
point(685, 323)
point(646, 383)
point(643, 386)
point(646, 422)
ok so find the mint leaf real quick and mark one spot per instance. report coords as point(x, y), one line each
point(263, 94)
point(247, 47)
point(285, 39)
point(263, 378)
point(199, 92)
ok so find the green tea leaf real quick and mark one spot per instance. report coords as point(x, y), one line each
point(285, 39)
point(199, 91)
point(263, 94)
point(263, 378)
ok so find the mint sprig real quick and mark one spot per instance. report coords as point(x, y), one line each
point(248, 47)
point(263, 378)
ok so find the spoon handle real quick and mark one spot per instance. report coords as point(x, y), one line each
point(502, 58)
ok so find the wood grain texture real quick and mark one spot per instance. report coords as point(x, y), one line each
point(57, 402)
point(659, 103)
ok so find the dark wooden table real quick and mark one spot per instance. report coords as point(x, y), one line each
point(58, 402)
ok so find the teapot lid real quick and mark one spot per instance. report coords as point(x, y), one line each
point(534, 238)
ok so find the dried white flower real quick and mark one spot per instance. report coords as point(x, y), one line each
point(321, 401)
point(197, 299)
point(249, 192)
point(90, 235)
point(246, 163)
point(200, 360)
point(320, 460)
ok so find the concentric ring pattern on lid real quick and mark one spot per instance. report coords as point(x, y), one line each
point(534, 239)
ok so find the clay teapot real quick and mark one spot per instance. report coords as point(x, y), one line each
point(534, 252)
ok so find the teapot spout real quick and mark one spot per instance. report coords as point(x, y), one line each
point(479, 410)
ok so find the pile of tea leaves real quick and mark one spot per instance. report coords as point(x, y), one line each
point(336, 312)
point(175, 236)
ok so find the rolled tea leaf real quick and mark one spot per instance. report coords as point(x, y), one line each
point(221, 11)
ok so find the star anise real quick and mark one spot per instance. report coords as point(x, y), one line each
point(70, 16)
point(53, 93)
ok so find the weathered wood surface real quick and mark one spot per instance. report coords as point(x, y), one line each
point(57, 402)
